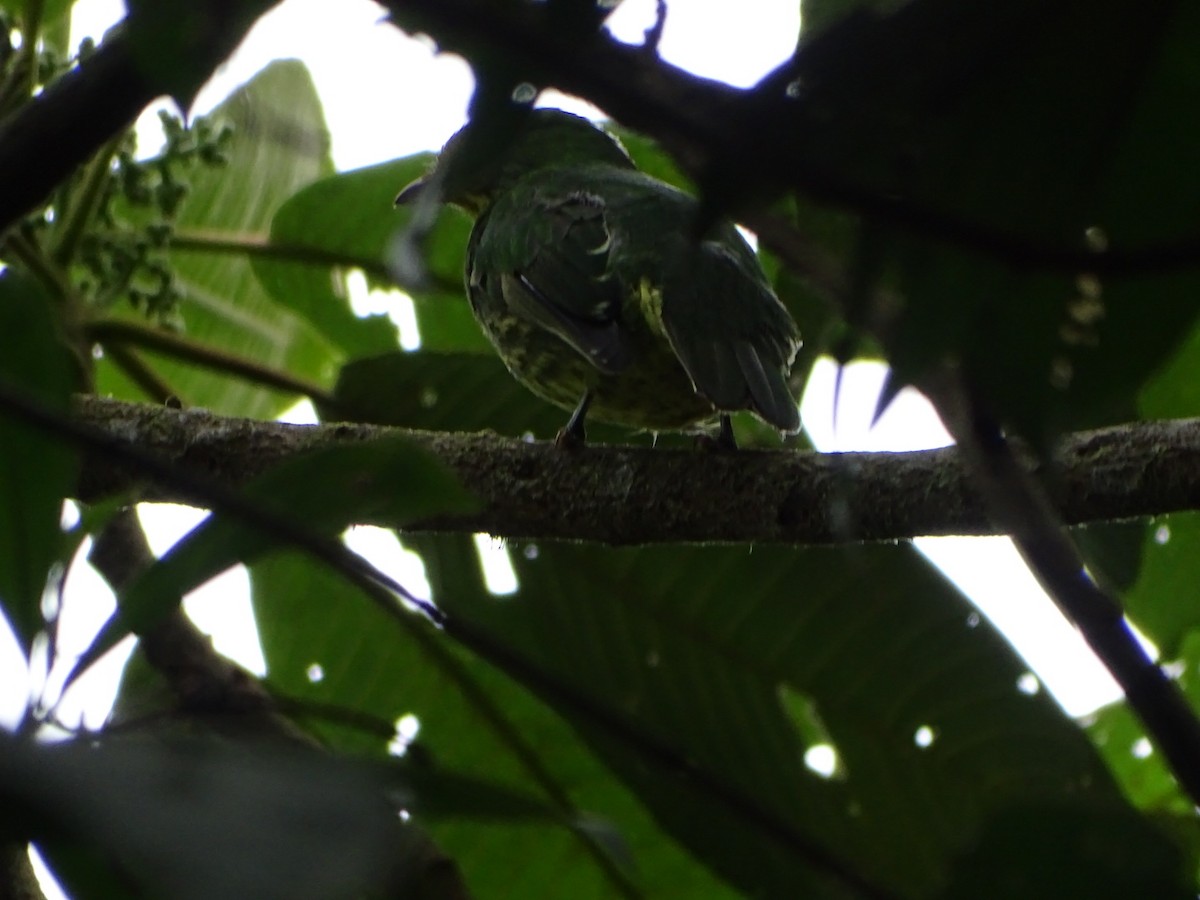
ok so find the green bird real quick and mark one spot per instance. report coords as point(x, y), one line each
point(588, 278)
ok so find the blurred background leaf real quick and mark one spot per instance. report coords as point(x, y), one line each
point(279, 144)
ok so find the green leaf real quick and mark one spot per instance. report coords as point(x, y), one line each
point(37, 471)
point(697, 674)
point(352, 218)
point(387, 481)
point(1100, 853)
point(1112, 552)
point(650, 158)
point(51, 10)
point(978, 121)
point(816, 15)
point(472, 719)
point(1160, 601)
point(1174, 392)
point(1142, 773)
point(338, 218)
point(81, 869)
point(279, 144)
point(821, 329)
point(197, 820)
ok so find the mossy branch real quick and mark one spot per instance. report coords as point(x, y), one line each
point(622, 495)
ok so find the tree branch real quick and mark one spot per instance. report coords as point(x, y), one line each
point(203, 681)
point(17, 878)
point(621, 495)
point(754, 140)
point(1018, 504)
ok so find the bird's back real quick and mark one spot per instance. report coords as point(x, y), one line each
point(694, 319)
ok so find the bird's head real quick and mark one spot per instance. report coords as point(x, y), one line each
point(470, 172)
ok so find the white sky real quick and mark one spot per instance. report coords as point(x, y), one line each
point(416, 99)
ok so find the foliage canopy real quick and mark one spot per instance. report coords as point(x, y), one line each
point(996, 186)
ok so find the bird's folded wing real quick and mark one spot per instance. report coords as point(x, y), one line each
point(732, 335)
point(564, 286)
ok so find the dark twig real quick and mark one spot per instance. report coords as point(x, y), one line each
point(118, 332)
point(653, 35)
point(705, 124)
point(261, 247)
point(140, 373)
point(1019, 507)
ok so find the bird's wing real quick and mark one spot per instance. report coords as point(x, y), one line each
point(732, 335)
point(562, 283)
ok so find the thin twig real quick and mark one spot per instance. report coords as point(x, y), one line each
point(137, 370)
point(109, 332)
point(653, 34)
point(262, 247)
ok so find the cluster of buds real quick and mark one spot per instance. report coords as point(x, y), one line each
point(123, 254)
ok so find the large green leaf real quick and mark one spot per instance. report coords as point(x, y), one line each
point(37, 471)
point(1162, 601)
point(703, 675)
point(979, 125)
point(336, 219)
point(49, 10)
point(650, 158)
point(326, 645)
point(1076, 851)
point(388, 481)
point(1141, 772)
point(279, 144)
point(352, 219)
point(818, 14)
point(204, 819)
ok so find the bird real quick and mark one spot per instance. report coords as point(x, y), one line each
point(591, 282)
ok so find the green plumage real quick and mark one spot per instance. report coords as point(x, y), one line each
point(585, 275)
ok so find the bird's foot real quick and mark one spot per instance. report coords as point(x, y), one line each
point(572, 436)
point(722, 442)
point(570, 439)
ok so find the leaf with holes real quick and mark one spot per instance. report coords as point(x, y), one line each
point(705, 676)
point(367, 222)
point(467, 717)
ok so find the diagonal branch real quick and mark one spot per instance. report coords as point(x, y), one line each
point(1018, 504)
point(622, 495)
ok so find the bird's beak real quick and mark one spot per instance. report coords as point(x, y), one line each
point(411, 192)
